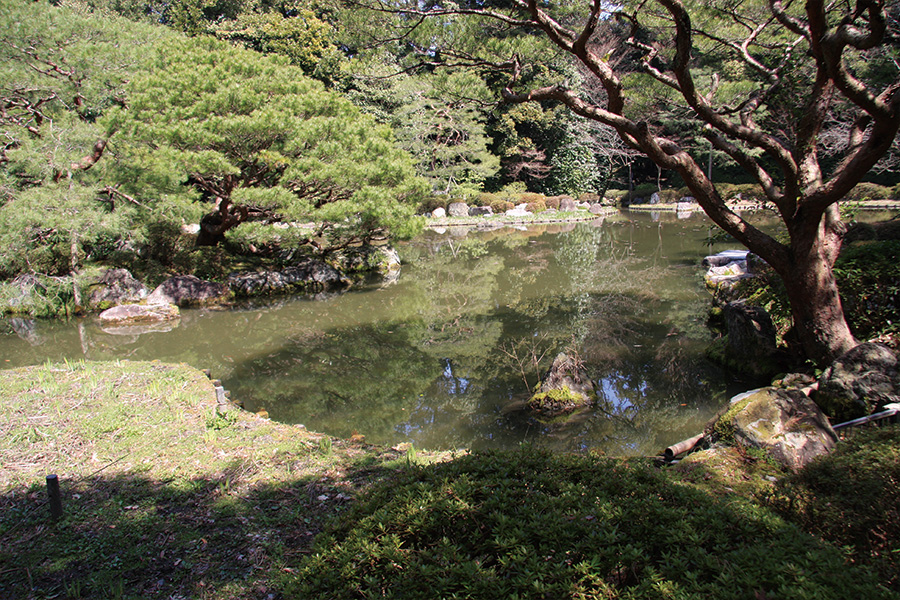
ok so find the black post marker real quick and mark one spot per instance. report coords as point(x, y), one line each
point(55, 498)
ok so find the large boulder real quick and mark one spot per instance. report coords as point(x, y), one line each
point(116, 286)
point(310, 275)
point(567, 203)
point(458, 209)
point(518, 212)
point(480, 211)
point(783, 422)
point(860, 382)
point(565, 388)
point(439, 213)
point(187, 290)
point(136, 314)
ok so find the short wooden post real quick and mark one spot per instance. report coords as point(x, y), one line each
point(55, 498)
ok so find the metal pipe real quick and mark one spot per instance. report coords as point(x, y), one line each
point(681, 447)
point(892, 409)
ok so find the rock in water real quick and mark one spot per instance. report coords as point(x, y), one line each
point(565, 387)
point(132, 314)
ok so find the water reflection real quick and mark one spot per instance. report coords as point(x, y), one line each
point(445, 356)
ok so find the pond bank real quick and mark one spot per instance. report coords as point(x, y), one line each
point(163, 497)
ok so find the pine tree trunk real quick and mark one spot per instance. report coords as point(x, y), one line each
point(811, 287)
point(818, 314)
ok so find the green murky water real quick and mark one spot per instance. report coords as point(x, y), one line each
point(444, 356)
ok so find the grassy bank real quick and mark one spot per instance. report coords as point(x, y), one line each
point(164, 498)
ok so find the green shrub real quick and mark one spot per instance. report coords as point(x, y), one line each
point(41, 296)
point(869, 191)
point(531, 524)
point(512, 191)
point(432, 202)
point(536, 206)
point(501, 206)
point(591, 198)
point(553, 202)
point(486, 199)
point(643, 191)
point(851, 498)
point(869, 281)
point(527, 197)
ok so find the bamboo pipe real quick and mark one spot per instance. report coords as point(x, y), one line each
point(681, 447)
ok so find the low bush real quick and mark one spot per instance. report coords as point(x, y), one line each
point(530, 524)
point(501, 206)
point(869, 191)
point(432, 202)
point(740, 191)
point(553, 202)
point(643, 192)
point(590, 198)
point(43, 295)
point(536, 206)
point(851, 498)
point(486, 199)
point(869, 281)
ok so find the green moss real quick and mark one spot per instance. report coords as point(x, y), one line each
point(724, 426)
point(562, 395)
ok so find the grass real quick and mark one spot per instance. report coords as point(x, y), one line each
point(162, 496)
point(165, 497)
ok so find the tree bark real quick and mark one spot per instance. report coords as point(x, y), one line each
point(811, 287)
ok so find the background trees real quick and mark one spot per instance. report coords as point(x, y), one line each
point(112, 128)
point(760, 82)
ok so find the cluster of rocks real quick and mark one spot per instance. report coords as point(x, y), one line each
point(791, 420)
point(131, 304)
point(684, 203)
point(566, 204)
point(726, 267)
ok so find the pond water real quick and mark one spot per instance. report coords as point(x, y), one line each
point(444, 356)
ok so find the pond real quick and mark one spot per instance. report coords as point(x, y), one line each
point(444, 356)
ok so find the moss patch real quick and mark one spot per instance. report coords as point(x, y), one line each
point(557, 402)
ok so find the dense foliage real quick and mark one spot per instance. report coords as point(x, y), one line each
point(533, 525)
point(851, 498)
point(118, 134)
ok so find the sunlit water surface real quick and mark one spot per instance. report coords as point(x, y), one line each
point(444, 357)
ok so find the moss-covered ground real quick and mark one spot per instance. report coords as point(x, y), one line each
point(163, 497)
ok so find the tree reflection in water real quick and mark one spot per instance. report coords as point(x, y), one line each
point(443, 358)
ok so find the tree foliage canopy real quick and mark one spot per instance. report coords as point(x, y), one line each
point(111, 126)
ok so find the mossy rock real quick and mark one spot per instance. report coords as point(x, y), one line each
point(786, 424)
point(558, 402)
